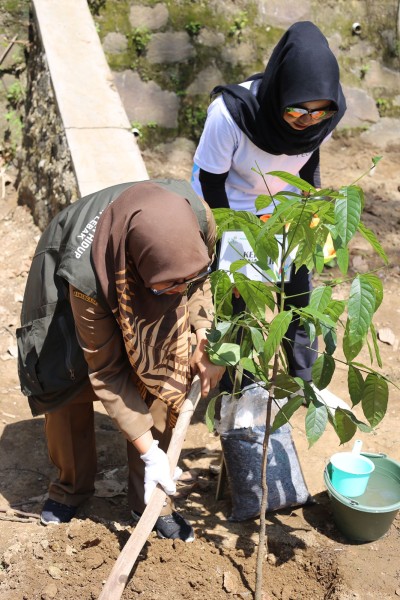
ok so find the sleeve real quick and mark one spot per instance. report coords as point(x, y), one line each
point(110, 372)
point(219, 140)
point(201, 309)
point(310, 172)
point(213, 188)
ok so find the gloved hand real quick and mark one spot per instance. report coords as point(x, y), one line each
point(157, 470)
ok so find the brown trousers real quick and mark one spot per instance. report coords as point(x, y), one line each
point(72, 449)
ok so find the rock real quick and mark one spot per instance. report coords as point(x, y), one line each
point(384, 134)
point(54, 572)
point(359, 264)
point(378, 76)
point(386, 335)
point(109, 488)
point(13, 351)
point(147, 17)
point(230, 582)
point(115, 43)
point(49, 592)
point(178, 151)
point(238, 54)
point(70, 550)
point(169, 47)
point(211, 39)
point(271, 13)
point(146, 102)
point(361, 108)
point(205, 81)
point(94, 561)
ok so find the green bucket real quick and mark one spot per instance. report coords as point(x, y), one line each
point(369, 516)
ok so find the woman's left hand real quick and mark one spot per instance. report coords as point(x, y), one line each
point(201, 365)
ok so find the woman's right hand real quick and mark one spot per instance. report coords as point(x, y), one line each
point(157, 470)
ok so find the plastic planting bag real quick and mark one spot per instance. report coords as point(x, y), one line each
point(242, 429)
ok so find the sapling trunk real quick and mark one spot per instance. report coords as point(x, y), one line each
point(264, 488)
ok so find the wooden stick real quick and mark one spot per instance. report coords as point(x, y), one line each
point(115, 584)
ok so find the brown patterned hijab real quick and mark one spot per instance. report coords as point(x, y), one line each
point(151, 235)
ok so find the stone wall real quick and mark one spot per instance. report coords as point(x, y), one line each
point(166, 58)
point(46, 181)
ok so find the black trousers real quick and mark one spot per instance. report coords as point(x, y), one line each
point(300, 352)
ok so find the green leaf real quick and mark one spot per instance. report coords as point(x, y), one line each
point(319, 259)
point(296, 182)
point(216, 333)
point(277, 329)
point(317, 316)
point(248, 364)
point(342, 257)
point(335, 309)
point(355, 383)
point(316, 421)
point(223, 216)
point(286, 412)
point(376, 346)
point(285, 385)
point(376, 159)
point(222, 293)
point(310, 330)
point(256, 295)
point(375, 398)
point(257, 339)
point(322, 371)
point(377, 284)
point(344, 426)
point(361, 426)
point(320, 298)
point(371, 356)
point(305, 251)
point(330, 339)
point(351, 348)
point(373, 240)
point(361, 308)
point(236, 265)
point(266, 248)
point(210, 414)
point(224, 354)
point(262, 201)
point(347, 213)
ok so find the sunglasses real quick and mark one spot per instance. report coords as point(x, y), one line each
point(317, 115)
point(199, 277)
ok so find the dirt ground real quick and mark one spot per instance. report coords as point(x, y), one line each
point(307, 557)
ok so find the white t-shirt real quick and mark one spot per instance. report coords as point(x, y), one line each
point(224, 147)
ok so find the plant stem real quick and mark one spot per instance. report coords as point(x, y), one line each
point(264, 498)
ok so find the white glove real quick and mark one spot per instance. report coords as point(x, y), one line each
point(157, 470)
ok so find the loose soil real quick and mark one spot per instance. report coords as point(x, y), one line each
point(306, 556)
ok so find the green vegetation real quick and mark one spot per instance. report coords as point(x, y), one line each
point(140, 37)
point(253, 341)
point(15, 19)
point(192, 17)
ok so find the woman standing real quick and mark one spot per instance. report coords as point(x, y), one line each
point(276, 120)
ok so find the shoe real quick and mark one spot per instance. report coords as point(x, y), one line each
point(54, 513)
point(171, 527)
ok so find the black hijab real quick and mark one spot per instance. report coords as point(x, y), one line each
point(302, 68)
